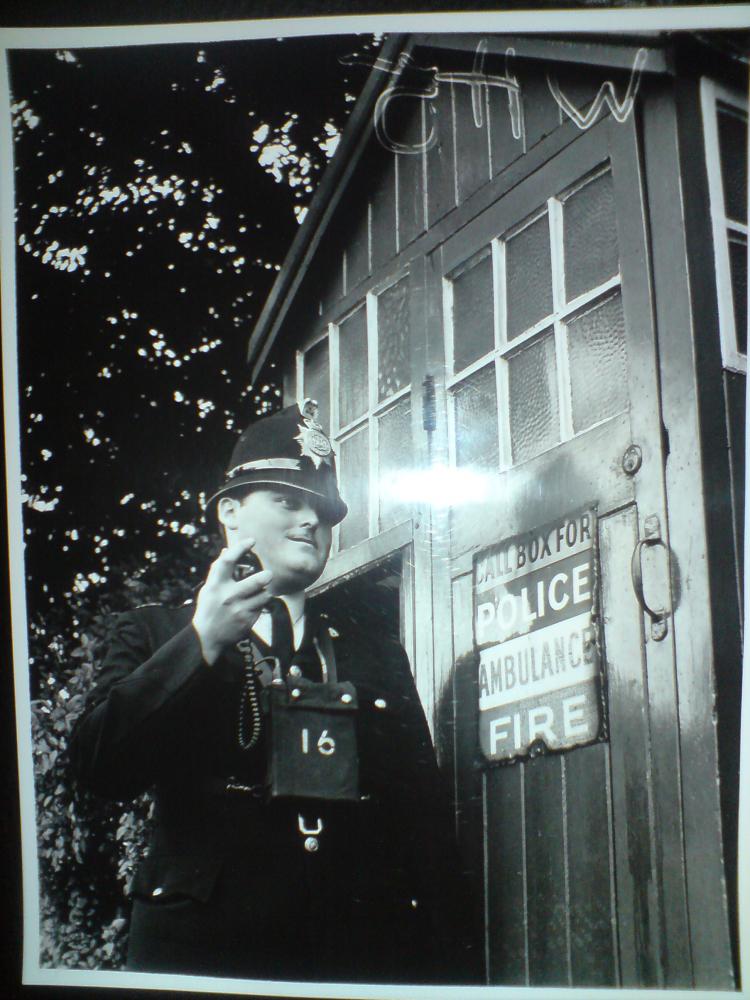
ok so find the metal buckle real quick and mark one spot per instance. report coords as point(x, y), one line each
point(308, 831)
point(311, 843)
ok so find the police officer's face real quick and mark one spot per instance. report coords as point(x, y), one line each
point(291, 539)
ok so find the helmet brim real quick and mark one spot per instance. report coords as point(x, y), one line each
point(331, 507)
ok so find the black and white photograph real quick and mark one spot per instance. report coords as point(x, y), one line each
point(374, 401)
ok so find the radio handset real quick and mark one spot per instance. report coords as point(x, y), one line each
point(248, 730)
point(246, 565)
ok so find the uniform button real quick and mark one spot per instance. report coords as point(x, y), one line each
point(414, 904)
point(296, 693)
point(380, 703)
point(346, 698)
point(311, 844)
point(295, 671)
point(157, 891)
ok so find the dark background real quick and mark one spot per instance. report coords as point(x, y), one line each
point(47, 13)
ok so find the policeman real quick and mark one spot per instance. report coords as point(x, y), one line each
point(257, 867)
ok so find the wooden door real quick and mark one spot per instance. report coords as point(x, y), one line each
point(541, 311)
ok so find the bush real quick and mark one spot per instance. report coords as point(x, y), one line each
point(88, 848)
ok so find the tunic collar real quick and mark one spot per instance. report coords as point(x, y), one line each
point(296, 606)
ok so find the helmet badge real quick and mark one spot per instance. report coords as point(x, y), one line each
point(312, 438)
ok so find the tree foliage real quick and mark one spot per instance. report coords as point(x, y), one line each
point(158, 188)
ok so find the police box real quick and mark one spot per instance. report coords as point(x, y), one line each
point(519, 298)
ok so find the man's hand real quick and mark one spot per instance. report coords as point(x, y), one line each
point(227, 609)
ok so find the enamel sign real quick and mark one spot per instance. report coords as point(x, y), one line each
point(534, 627)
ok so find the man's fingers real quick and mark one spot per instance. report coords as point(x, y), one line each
point(239, 548)
point(242, 608)
point(254, 584)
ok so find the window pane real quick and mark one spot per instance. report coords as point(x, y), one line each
point(528, 277)
point(316, 380)
point(476, 420)
point(598, 364)
point(393, 339)
point(354, 481)
point(738, 266)
point(590, 236)
point(394, 455)
point(733, 154)
point(353, 361)
point(534, 415)
point(473, 326)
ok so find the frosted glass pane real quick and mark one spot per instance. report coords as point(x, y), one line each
point(738, 265)
point(590, 236)
point(316, 380)
point(534, 414)
point(473, 326)
point(394, 456)
point(353, 362)
point(476, 420)
point(528, 277)
point(598, 364)
point(354, 483)
point(393, 339)
point(733, 154)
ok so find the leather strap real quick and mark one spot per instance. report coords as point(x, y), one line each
point(326, 654)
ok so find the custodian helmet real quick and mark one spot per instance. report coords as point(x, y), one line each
point(289, 448)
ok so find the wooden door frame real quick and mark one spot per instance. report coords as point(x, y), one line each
point(683, 295)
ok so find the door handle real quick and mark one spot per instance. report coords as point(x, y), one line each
point(657, 616)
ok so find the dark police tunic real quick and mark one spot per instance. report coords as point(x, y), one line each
point(228, 887)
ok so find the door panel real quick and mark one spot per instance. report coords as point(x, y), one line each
point(507, 918)
point(545, 843)
point(533, 493)
point(551, 900)
point(633, 793)
point(592, 900)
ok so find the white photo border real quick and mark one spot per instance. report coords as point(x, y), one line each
point(582, 21)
